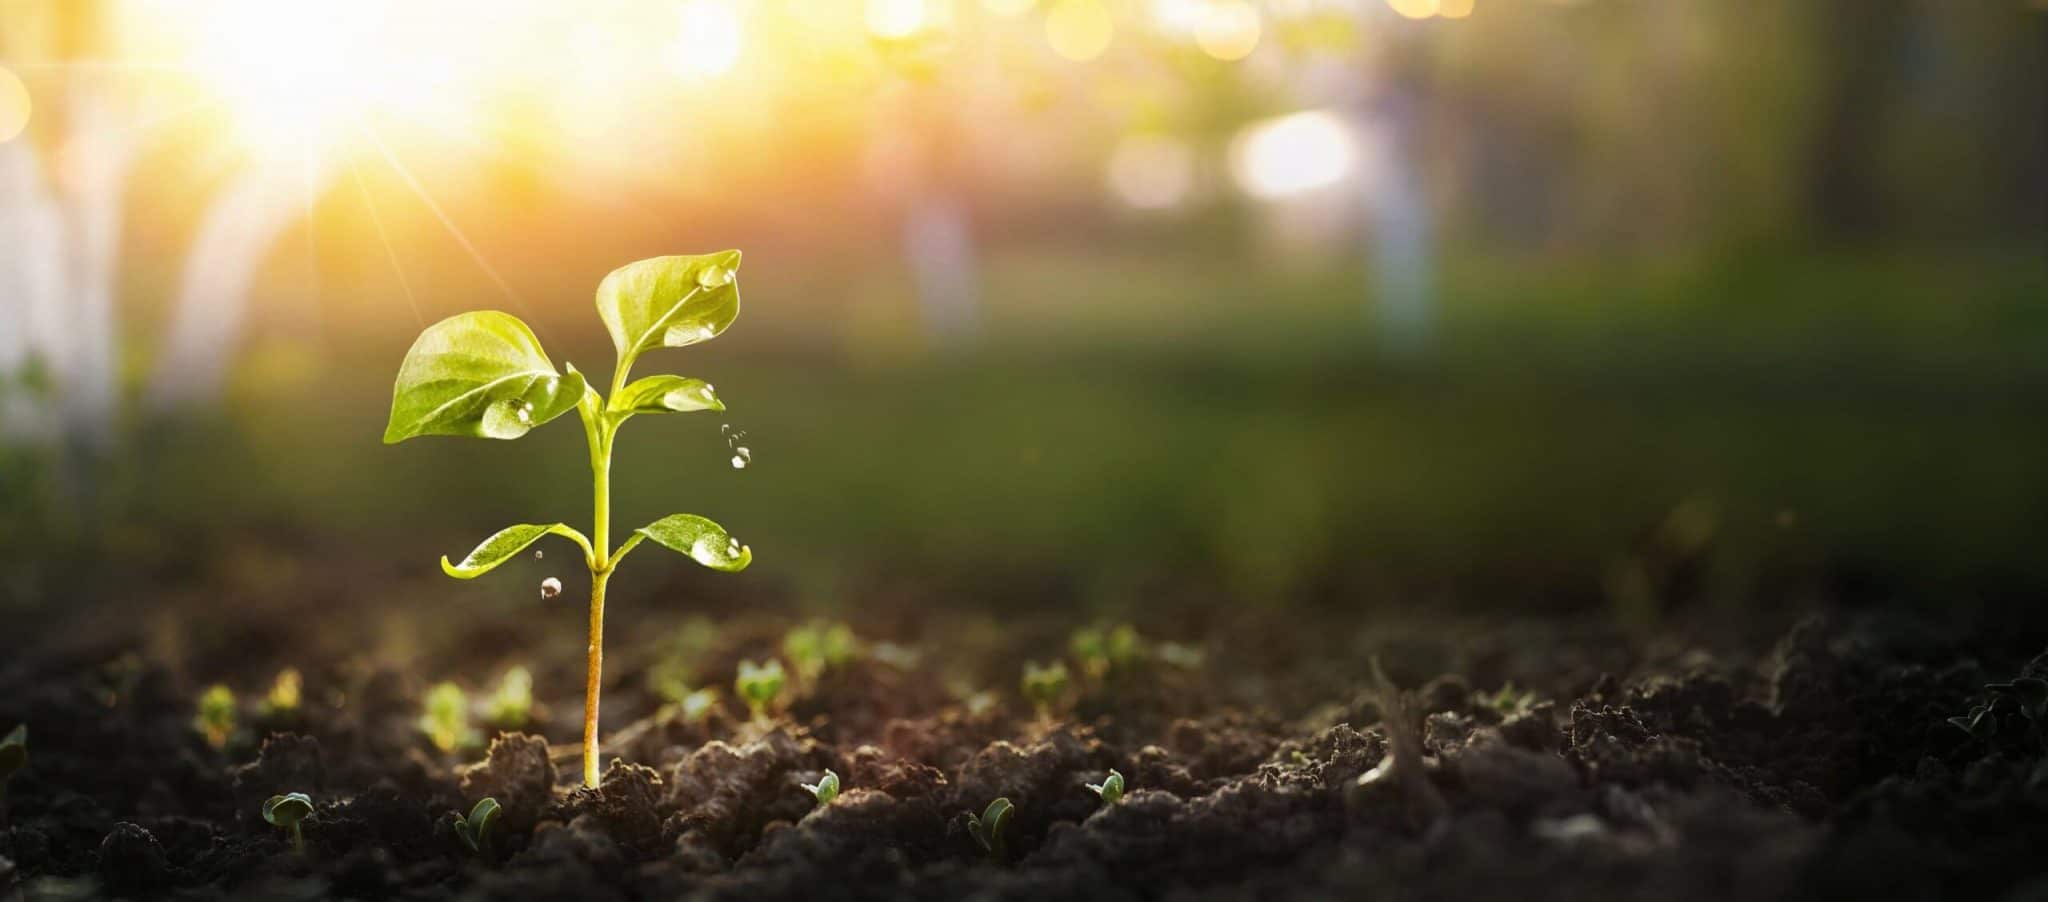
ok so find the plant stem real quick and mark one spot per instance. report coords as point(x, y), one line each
point(298, 840)
point(600, 573)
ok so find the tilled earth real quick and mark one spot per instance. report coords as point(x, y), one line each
point(1823, 765)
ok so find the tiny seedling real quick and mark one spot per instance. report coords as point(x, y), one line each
point(1101, 650)
point(14, 756)
point(282, 703)
point(216, 718)
point(483, 375)
point(475, 830)
point(1508, 700)
point(1111, 789)
point(818, 646)
point(826, 789)
point(287, 811)
point(987, 829)
point(758, 685)
point(445, 719)
point(511, 706)
point(1044, 686)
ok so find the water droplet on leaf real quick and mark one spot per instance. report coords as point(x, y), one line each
point(550, 587)
point(714, 277)
point(510, 418)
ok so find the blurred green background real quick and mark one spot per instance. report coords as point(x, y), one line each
point(1726, 308)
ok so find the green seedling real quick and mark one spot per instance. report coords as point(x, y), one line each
point(511, 706)
point(1044, 686)
point(758, 685)
point(1508, 700)
point(818, 646)
point(13, 756)
point(475, 830)
point(2025, 696)
point(216, 718)
point(287, 811)
point(282, 703)
point(987, 829)
point(1101, 650)
point(445, 719)
point(1111, 789)
point(483, 375)
point(826, 789)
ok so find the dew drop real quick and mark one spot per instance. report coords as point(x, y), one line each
point(510, 418)
point(550, 587)
point(714, 277)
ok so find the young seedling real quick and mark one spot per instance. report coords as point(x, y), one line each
point(287, 811)
point(1044, 687)
point(1101, 650)
point(826, 789)
point(282, 704)
point(446, 718)
point(512, 705)
point(987, 829)
point(475, 830)
point(483, 375)
point(758, 685)
point(1111, 789)
point(216, 718)
point(14, 756)
point(818, 646)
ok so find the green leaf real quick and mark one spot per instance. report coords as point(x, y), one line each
point(669, 302)
point(702, 540)
point(480, 374)
point(289, 809)
point(475, 830)
point(666, 394)
point(509, 541)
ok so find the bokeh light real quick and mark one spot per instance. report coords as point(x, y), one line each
point(1152, 172)
point(1228, 29)
point(1454, 9)
point(14, 105)
point(1293, 154)
point(896, 19)
point(1415, 9)
point(1079, 30)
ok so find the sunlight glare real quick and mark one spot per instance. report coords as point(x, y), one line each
point(1079, 30)
point(1414, 9)
point(896, 19)
point(1228, 29)
point(14, 105)
point(1292, 154)
point(709, 43)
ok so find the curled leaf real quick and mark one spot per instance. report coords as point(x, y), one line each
point(666, 394)
point(669, 301)
point(703, 541)
point(287, 810)
point(480, 374)
point(507, 542)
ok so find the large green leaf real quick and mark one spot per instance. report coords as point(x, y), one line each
point(665, 394)
point(702, 540)
point(509, 541)
point(669, 301)
point(480, 374)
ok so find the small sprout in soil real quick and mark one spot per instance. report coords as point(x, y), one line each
point(1111, 789)
point(1508, 700)
point(446, 718)
point(819, 646)
point(483, 374)
point(1044, 686)
point(475, 830)
point(285, 694)
point(826, 789)
point(287, 811)
point(987, 829)
point(1175, 654)
point(2025, 696)
point(216, 718)
point(758, 685)
point(1101, 650)
point(13, 756)
point(511, 707)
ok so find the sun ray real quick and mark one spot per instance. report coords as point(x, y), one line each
point(384, 238)
point(404, 173)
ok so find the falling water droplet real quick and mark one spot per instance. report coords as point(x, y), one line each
point(538, 554)
point(741, 457)
point(510, 418)
point(550, 588)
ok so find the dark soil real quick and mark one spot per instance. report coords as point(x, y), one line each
point(1823, 765)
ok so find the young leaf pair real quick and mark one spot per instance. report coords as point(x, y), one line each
point(483, 375)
